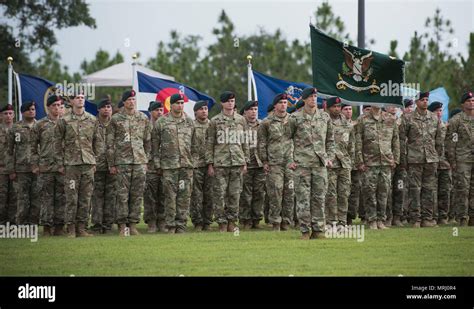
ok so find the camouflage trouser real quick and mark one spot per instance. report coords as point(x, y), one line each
point(311, 185)
point(8, 200)
point(28, 204)
point(376, 186)
point(339, 185)
point(422, 190)
point(463, 192)
point(444, 194)
point(356, 204)
point(130, 186)
point(153, 208)
point(227, 186)
point(103, 201)
point(266, 206)
point(53, 199)
point(78, 186)
point(399, 200)
point(177, 187)
point(201, 208)
point(253, 195)
point(281, 194)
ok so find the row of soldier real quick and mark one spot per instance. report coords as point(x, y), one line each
point(297, 167)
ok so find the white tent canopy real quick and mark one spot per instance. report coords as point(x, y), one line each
point(119, 75)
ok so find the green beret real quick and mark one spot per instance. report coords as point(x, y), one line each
point(307, 92)
point(176, 97)
point(128, 94)
point(454, 112)
point(291, 109)
point(344, 105)
point(434, 106)
point(248, 105)
point(226, 96)
point(199, 104)
point(7, 107)
point(299, 104)
point(466, 96)
point(26, 105)
point(270, 108)
point(154, 105)
point(422, 95)
point(53, 98)
point(278, 97)
point(102, 103)
point(120, 104)
point(407, 103)
point(365, 106)
point(332, 101)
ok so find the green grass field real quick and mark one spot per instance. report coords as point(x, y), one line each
point(398, 251)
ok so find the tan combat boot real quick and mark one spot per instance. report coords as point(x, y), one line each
point(198, 227)
point(230, 226)
point(373, 225)
point(222, 227)
point(305, 236)
point(463, 222)
point(151, 228)
point(416, 225)
point(428, 223)
point(381, 226)
point(47, 231)
point(58, 230)
point(317, 235)
point(122, 228)
point(255, 224)
point(396, 221)
point(276, 227)
point(442, 222)
point(81, 230)
point(71, 230)
point(284, 226)
point(133, 229)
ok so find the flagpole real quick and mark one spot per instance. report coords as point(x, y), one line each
point(134, 70)
point(10, 80)
point(249, 78)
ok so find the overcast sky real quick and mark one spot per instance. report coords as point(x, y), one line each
point(144, 23)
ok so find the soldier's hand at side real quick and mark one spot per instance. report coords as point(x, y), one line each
point(266, 168)
point(61, 170)
point(362, 168)
point(244, 169)
point(159, 171)
point(329, 163)
point(292, 166)
point(393, 164)
point(35, 170)
point(210, 170)
point(12, 176)
point(113, 170)
point(453, 166)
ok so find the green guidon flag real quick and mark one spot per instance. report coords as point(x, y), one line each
point(356, 75)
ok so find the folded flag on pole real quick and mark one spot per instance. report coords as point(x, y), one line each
point(153, 88)
point(268, 87)
point(356, 75)
point(38, 89)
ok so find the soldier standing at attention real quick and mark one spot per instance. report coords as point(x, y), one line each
point(201, 208)
point(377, 153)
point(50, 181)
point(20, 163)
point(421, 146)
point(313, 140)
point(153, 208)
point(227, 155)
point(8, 199)
point(128, 152)
point(75, 138)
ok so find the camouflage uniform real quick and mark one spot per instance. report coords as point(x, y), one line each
point(377, 147)
point(228, 151)
point(201, 198)
point(8, 199)
point(253, 189)
point(20, 161)
point(50, 181)
point(460, 153)
point(103, 197)
point(275, 148)
point(421, 142)
point(313, 141)
point(445, 185)
point(356, 200)
point(339, 176)
point(128, 149)
point(76, 137)
point(172, 139)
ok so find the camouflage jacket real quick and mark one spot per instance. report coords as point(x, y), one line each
point(443, 162)
point(226, 141)
point(377, 141)
point(460, 139)
point(151, 163)
point(76, 139)
point(421, 138)
point(20, 148)
point(275, 145)
point(344, 139)
point(128, 139)
point(172, 138)
point(254, 157)
point(44, 137)
point(3, 148)
point(100, 146)
point(199, 143)
point(313, 138)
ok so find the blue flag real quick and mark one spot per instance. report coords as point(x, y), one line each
point(268, 87)
point(153, 88)
point(38, 89)
point(440, 95)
